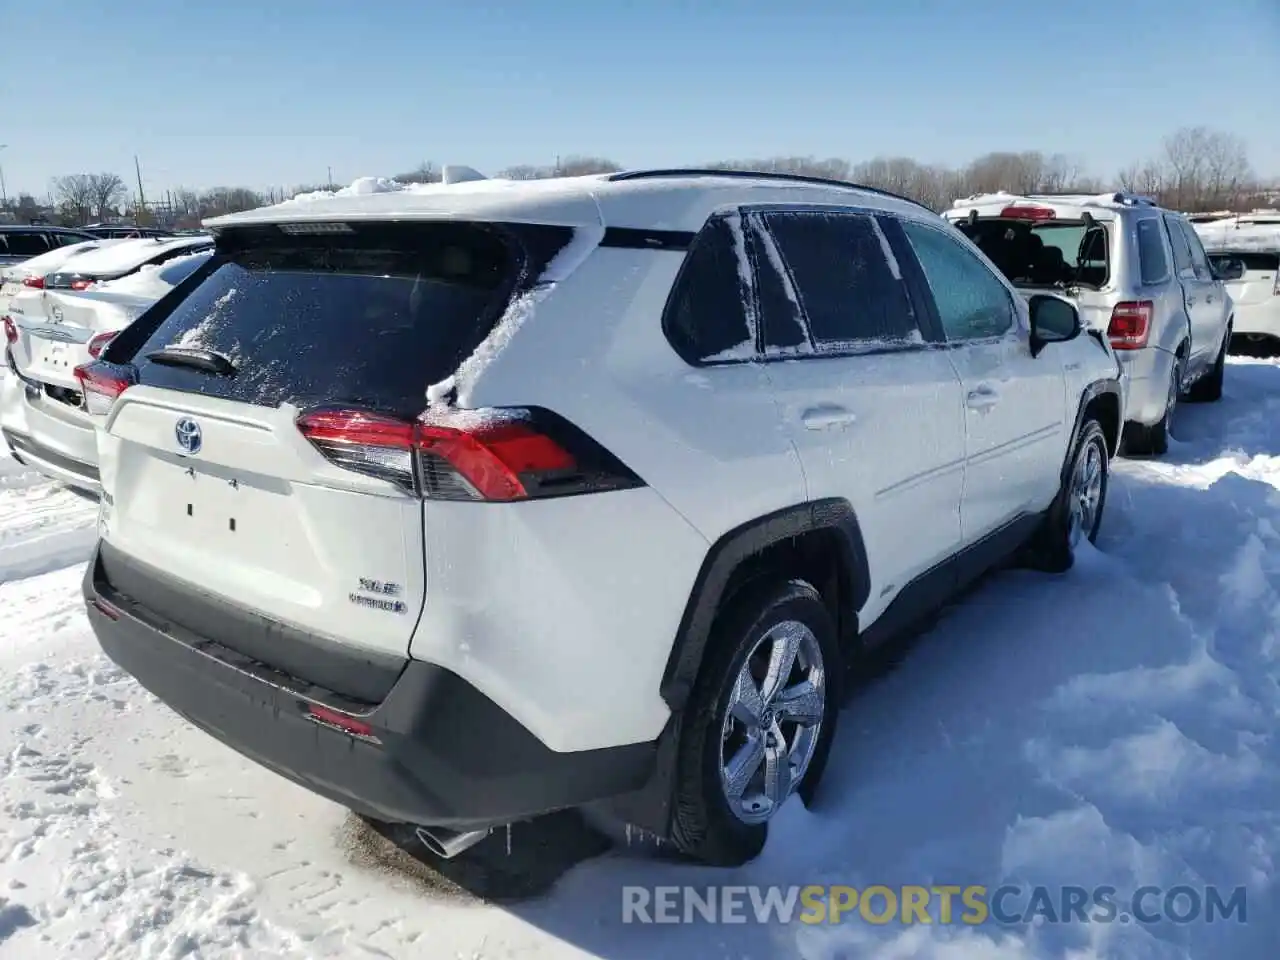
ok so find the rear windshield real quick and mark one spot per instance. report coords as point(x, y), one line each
point(1253, 262)
point(1052, 253)
point(369, 318)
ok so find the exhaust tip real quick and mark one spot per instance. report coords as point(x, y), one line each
point(447, 844)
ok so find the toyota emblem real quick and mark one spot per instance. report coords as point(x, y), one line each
point(189, 435)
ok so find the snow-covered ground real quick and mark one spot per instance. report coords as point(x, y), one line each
point(1120, 725)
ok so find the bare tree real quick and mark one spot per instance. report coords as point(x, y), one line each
point(74, 196)
point(571, 166)
point(575, 166)
point(523, 172)
point(108, 192)
point(424, 172)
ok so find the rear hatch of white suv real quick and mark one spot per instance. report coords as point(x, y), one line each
point(1260, 285)
point(259, 441)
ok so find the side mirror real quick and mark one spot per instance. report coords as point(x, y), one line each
point(1228, 268)
point(1053, 320)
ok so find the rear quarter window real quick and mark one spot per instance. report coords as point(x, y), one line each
point(709, 316)
point(1153, 260)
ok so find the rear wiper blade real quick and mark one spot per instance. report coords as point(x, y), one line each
point(198, 357)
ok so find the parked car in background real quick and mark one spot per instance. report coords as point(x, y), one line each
point(29, 274)
point(366, 477)
point(41, 407)
point(121, 259)
point(18, 243)
point(1253, 241)
point(125, 231)
point(1138, 273)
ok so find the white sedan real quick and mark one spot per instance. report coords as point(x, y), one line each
point(41, 414)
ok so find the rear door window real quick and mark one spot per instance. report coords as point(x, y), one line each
point(1199, 259)
point(1182, 260)
point(24, 243)
point(366, 318)
point(1153, 262)
point(845, 280)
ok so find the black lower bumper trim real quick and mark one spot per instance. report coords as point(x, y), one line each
point(448, 756)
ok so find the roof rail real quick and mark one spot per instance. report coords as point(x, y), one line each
point(759, 175)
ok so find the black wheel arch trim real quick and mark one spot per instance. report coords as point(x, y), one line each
point(1098, 388)
point(729, 552)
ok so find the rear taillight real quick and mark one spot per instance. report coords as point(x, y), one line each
point(1130, 324)
point(484, 455)
point(1028, 213)
point(99, 343)
point(36, 283)
point(100, 384)
point(81, 284)
point(10, 330)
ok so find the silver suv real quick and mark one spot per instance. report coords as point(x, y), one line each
point(1135, 270)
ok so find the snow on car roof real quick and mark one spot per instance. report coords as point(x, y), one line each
point(154, 280)
point(1101, 205)
point(1257, 231)
point(128, 254)
point(676, 200)
point(48, 262)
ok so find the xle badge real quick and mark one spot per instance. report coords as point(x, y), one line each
point(383, 590)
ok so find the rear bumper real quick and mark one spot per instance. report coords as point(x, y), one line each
point(446, 755)
point(1147, 372)
point(56, 442)
point(1258, 318)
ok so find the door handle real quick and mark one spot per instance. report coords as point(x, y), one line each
point(983, 397)
point(826, 416)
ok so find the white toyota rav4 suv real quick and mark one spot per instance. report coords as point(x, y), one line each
point(465, 503)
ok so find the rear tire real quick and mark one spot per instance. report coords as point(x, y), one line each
point(738, 721)
point(1208, 389)
point(1153, 441)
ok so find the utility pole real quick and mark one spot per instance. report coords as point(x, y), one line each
point(142, 198)
point(331, 178)
point(4, 195)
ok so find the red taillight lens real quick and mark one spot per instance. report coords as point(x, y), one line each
point(1130, 324)
point(81, 284)
point(99, 343)
point(1028, 213)
point(36, 283)
point(496, 455)
point(342, 721)
point(100, 384)
point(10, 330)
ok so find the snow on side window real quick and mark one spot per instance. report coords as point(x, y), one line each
point(711, 315)
point(786, 329)
point(851, 295)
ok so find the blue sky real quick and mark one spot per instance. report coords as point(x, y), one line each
point(227, 92)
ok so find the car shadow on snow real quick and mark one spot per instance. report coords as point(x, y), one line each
point(1074, 730)
point(1246, 421)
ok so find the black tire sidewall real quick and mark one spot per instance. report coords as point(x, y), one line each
point(1090, 433)
point(706, 827)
